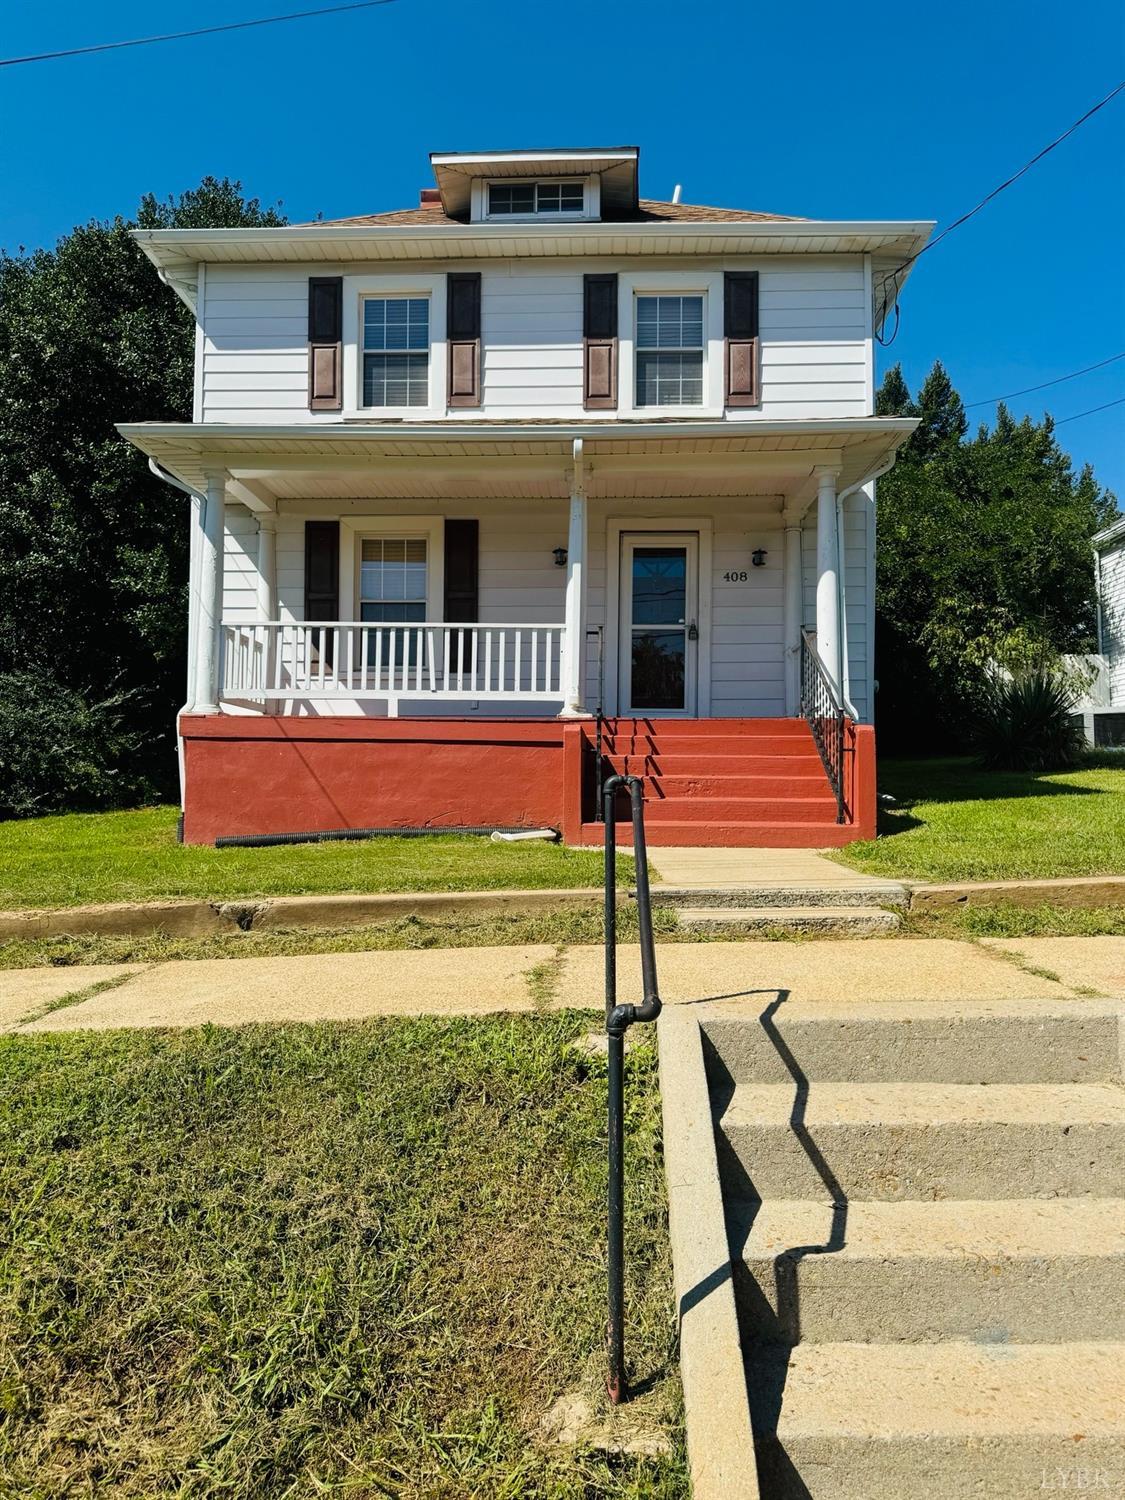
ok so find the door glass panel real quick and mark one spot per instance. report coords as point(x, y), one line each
point(658, 669)
point(659, 585)
point(659, 608)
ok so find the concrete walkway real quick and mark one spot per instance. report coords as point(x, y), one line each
point(474, 981)
point(707, 869)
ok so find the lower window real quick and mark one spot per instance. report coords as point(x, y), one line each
point(393, 591)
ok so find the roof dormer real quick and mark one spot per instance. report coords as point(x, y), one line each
point(598, 183)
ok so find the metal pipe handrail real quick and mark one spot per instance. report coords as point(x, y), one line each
point(823, 708)
point(618, 1019)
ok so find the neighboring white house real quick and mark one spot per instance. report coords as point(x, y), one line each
point(535, 447)
point(1103, 707)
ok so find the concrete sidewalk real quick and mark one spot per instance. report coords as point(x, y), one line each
point(475, 981)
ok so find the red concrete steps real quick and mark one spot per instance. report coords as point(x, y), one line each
point(798, 781)
point(814, 809)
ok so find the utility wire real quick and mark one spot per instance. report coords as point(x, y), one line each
point(1058, 380)
point(1090, 413)
point(892, 276)
point(179, 36)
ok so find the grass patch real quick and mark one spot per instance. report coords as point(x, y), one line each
point(1006, 920)
point(956, 822)
point(321, 1260)
point(84, 858)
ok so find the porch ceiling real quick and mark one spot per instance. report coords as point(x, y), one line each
point(652, 460)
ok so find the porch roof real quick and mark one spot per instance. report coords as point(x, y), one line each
point(526, 460)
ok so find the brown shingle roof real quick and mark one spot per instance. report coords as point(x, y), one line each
point(650, 211)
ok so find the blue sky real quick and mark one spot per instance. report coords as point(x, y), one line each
point(821, 110)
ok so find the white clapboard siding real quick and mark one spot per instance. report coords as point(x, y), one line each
point(240, 566)
point(813, 323)
point(1113, 620)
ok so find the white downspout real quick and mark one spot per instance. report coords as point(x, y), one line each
point(883, 467)
point(198, 513)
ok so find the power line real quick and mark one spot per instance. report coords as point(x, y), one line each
point(1027, 390)
point(1120, 400)
point(179, 36)
point(892, 276)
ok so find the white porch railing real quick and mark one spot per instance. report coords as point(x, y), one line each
point(493, 663)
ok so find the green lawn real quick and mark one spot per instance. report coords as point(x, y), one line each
point(300, 1261)
point(953, 821)
point(133, 856)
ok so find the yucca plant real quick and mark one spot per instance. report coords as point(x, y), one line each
point(1027, 723)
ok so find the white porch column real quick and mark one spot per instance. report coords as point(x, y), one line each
point(574, 634)
point(827, 576)
point(267, 593)
point(792, 613)
point(267, 566)
point(209, 617)
point(574, 640)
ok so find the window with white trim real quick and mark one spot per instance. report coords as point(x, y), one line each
point(669, 350)
point(396, 351)
point(392, 591)
point(531, 198)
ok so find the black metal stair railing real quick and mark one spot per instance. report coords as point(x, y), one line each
point(827, 718)
point(618, 1019)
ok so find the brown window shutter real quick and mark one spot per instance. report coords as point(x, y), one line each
point(462, 581)
point(599, 342)
point(322, 570)
point(462, 318)
point(741, 350)
point(326, 343)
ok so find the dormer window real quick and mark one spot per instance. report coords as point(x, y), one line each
point(536, 199)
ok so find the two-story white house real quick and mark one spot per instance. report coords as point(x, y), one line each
point(536, 479)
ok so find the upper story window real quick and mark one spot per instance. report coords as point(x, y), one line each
point(528, 199)
point(396, 351)
point(669, 351)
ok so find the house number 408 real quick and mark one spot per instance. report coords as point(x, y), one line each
point(736, 577)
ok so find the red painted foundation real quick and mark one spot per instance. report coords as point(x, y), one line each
point(717, 782)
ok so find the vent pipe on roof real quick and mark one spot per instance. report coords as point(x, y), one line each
point(676, 191)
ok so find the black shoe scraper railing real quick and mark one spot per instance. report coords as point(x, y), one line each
point(618, 1019)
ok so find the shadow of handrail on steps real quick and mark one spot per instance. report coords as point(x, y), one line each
point(770, 1332)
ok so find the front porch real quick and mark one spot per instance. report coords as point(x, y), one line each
point(491, 589)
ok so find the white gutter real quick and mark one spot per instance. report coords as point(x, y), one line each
point(199, 510)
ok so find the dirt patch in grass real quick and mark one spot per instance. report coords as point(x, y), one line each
point(337, 1259)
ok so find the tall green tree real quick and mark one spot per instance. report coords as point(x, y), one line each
point(93, 548)
point(984, 556)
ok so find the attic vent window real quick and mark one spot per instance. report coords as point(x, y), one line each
point(528, 199)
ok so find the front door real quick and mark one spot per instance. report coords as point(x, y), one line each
point(659, 634)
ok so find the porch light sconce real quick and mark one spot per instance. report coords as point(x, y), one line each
point(559, 554)
point(758, 557)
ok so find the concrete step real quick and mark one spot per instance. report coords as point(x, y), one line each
point(654, 768)
point(923, 1140)
point(861, 893)
point(934, 1421)
point(725, 834)
point(807, 781)
point(1019, 1271)
point(702, 745)
point(808, 809)
point(961, 1042)
point(841, 921)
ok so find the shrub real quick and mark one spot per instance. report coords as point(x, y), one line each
point(60, 752)
point(1027, 723)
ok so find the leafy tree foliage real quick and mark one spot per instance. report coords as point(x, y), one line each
point(93, 548)
point(983, 557)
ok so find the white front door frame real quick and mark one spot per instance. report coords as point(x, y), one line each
point(616, 527)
